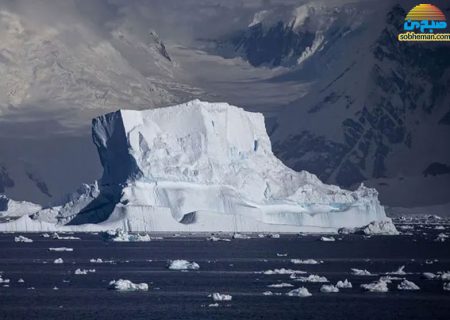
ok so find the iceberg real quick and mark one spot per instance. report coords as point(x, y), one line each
point(329, 288)
point(221, 297)
point(199, 167)
point(407, 285)
point(183, 265)
point(127, 285)
point(344, 284)
point(299, 292)
point(376, 286)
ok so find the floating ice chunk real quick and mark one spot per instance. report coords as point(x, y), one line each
point(381, 227)
point(280, 285)
point(267, 293)
point(323, 238)
point(58, 261)
point(439, 228)
point(97, 260)
point(407, 285)
point(429, 275)
point(83, 271)
point(389, 279)
point(282, 254)
point(22, 239)
point(127, 285)
point(183, 265)
point(121, 236)
point(329, 288)
point(58, 237)
point(55, 288)
point(312, 278)
point(306, 261)
point(213, 305)
point(344, 284)
point(361, 272)
point(400, 271)
point(299, 292)
point(60, 249)
point(214, 238)
point(445, 276)
point(4, 280)
point(441, 237)
point(274, 235)
point(283, 271)
point(45, 235)
point(221, 297)
point(406, 227)
point(376, 286)
point(240, 236)
point(446, 286)
point(20, 280)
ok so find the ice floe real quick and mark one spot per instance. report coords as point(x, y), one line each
point(22, 239)
point(430, 275)
point(214, 239)
point(58, 261)
point(59, 237)
point(376, 286)
point(4, 280)
point(121, 236)
point(400, 271)
point(312, 278)
point(329, 288)
point(280, 285)
point(83, 271)
point(441, 237)
point(221, 297)
point(183, 265)
point(446, 286)
point(299, 292)
point(61, 249)
point(283, 271)
point(127, 285)
point(327, 239)
point(407, 285)
point(305, 261)
point(361, 272)
point(344, 284)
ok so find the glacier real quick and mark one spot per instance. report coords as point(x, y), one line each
point(198, 167)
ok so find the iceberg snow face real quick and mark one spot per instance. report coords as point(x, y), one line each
point(203, 166)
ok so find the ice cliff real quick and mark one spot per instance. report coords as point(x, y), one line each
point(200, 166)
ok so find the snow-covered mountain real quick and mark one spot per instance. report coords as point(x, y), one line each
point(376, 110)
point(55, 78)
point(196, 167)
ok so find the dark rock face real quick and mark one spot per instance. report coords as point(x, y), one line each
point(279, 45)
point(407, 84)
point(5, 180)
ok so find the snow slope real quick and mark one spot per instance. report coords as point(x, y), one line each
point(200, 166)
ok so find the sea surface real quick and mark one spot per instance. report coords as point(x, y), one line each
point(53, 291)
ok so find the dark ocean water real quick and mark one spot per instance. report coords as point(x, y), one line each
point(225, 267)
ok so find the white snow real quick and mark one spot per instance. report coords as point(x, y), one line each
point(361, 272)
point(221, 297)
point(376, 286)
point(280, 285)
point(58, 261)
point(22, 239)
point(127, 285)
point(200, 167)
point(407, 285)
point(299, 292)
point(306, 261)
point(61, 249)
point(329, 288)
point(344, 284)
point(323, 238)
point(183, 265)
point(312, 278)
point(83, 271)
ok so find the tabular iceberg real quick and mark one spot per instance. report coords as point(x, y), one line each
point(200, 167)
